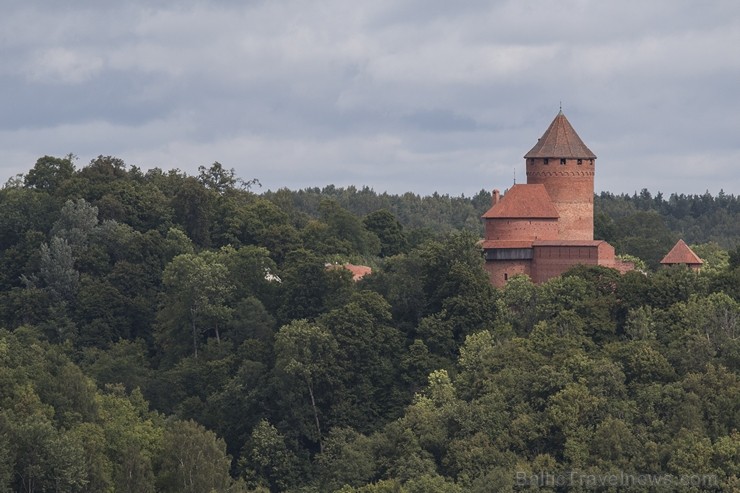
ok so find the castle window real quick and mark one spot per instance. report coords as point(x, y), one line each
point(580, 161)
point(547, 161)
point(591, 162)
point(506, 276)
point(562, 161)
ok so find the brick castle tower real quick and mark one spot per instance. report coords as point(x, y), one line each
point(565, 166)
point(545, 227)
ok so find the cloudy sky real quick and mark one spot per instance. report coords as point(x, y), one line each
point(399, 95)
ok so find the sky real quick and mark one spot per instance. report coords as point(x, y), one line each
point(397, 95)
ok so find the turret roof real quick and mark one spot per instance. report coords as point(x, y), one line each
point(560, 141)
point(681, 253)
point(524, 201)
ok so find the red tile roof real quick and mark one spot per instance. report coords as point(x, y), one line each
point(560, 141)
point(524, 201)
point(681, 253)
point(358, 271)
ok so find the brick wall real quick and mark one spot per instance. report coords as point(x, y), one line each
point(521, 229)
point(552, 261)
point(571, 188)
point(500, 271)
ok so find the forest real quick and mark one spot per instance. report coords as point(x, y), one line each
point(161, 332)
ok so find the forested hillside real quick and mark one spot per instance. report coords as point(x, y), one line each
point(175, 333)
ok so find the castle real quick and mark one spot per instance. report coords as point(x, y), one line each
point(545, 227)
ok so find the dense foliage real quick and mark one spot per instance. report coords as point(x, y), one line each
point(165, 332)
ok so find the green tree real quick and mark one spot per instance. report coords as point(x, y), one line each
point(399, 283)
point(368, 357)
point(714, 256)
point(193, 460)
point(266, 460)
point(733, 259)
point(645, 235)
point(347, 459)
point(305, 353)
point(347, 228)
point(196, 293)
point(76, 223)
point(45, 458)
point(90, 437)
point(390, 232)
point(124, 362)
point(57, 270)
point(519, 304)
point(193, 205)
point(308, 288)
point(133, 436)
point(217, 178)
point(49, 172)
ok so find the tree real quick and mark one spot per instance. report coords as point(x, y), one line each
point(193, 205)
point(90, 437)
point(133, 437)
point(432, 414)
point(222, 180)
point(306, 353)
point(197, 288)
point(124, 362)
point(477, 363)
point(76, 223)
point(575, 406)
point(438, 259)
point(399, 283)
point(217, 178)
point(347, 459)
point(368, 357)
point(689, 453)
point(193, 460)
point(714, 256)
point(266, 460)
point(642, 362)
point(45, 457)
point(519, 304)
point(143, 206)
point(346, 227)
point(307, 286)
point(734, 258)
point(57, 271)
point(49, 172)
point(645, 235)
point(390, 232)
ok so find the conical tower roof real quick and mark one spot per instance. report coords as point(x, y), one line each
point(560, 141)
point(681, 253)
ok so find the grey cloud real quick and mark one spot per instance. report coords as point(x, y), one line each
point(399, 95)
